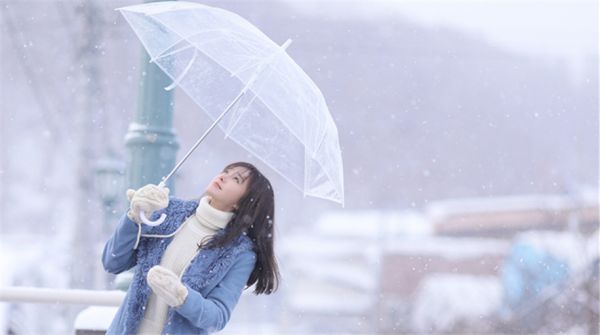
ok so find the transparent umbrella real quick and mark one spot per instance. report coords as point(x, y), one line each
point(250, 87)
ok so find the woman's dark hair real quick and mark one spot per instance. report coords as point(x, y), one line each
point(254, 216)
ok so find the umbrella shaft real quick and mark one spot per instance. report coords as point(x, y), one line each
point(239, 96)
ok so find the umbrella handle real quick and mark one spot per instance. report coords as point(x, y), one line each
point(145, 220)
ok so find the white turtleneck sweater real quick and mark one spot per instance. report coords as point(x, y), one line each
point(180, 252)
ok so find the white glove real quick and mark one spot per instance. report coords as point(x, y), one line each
point(166, 285)
point(149, 198)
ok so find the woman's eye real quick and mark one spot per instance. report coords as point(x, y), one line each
point(237, 179)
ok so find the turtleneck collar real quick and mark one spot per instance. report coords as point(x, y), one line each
point(211, 217)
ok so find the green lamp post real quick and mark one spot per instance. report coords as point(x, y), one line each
point(151, 140)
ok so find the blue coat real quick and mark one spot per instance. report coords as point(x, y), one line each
point(215, 278)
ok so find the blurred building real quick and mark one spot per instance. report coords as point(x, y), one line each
point(431, 283)
point(503, 217)
point(441, 270)
point(333, 270)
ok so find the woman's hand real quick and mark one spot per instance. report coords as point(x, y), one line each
point(165, 284)
point(148, 199)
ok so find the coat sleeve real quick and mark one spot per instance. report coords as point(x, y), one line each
point(118, 254)
point(213, 311)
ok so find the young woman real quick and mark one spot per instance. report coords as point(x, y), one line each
point(192, 268)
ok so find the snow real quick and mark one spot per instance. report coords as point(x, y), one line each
point(593, 245)
point(12, 258)
point(450, 248)
point(323, 274)
point(372, 224)
point(95, 318)
point(21, 262)
point(314, 245)
point(565, 246)
point(356, 276)
point(386, 157)
point(251, 328)
point(328, 298)
point(445, 300)
point(337, 261)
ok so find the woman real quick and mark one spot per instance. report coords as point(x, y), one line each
point(192, 268)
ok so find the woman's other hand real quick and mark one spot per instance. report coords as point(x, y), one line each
point(165, 284)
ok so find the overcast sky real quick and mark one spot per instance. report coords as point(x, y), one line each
point(566, 29)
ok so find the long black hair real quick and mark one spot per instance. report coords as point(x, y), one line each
point(254, 216)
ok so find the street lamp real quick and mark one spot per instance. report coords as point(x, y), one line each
point(110, 184)
point(110, 180)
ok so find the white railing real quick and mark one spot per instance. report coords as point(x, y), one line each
point(94, 319)
point(61, 296)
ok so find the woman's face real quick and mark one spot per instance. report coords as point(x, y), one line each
point(228, 187)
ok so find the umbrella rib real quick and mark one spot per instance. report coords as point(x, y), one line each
point(185, 71)
point(249, 64)
point(163, 55)
point(182, 38)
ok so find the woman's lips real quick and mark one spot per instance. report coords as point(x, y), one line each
point(217, 184)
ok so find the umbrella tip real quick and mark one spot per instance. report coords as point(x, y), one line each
point(286, 44)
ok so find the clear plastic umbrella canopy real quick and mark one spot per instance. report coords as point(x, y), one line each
point(223, 62)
